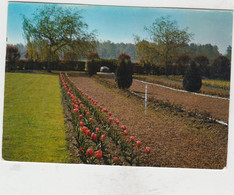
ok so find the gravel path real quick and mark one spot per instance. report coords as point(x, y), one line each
point(175, 140)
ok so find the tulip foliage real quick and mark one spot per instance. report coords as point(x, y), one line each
point(98, 135)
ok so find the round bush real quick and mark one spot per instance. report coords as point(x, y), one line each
point(192, 80)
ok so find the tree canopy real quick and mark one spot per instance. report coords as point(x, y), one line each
point(55, 30)
point(12, 53)
point(166, 40)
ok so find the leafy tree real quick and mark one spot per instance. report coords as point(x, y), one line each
point(32, 53)
point(182, 62)
point(58, 29)
point(192, 80)
point(70, 56)
point(167, 40)
point(145, 62)
point(211, 51)
point(203, 61)
point(229, 52)
point(110, 50)
point(220, 68)
point(12, 53)
point(145, 48)
point(22, 49)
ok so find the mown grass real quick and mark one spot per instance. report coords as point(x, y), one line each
point(33, 124)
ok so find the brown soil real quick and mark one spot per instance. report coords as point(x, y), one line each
point(217, 108)
point(175, 140)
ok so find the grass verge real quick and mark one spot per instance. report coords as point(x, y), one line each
point(33, 124)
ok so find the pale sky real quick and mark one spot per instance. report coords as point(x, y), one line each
point(120, 24)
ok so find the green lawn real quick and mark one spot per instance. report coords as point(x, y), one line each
point(33, 124)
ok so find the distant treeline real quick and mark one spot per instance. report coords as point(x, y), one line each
point(110, 50)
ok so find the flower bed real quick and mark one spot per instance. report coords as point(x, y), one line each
point(100, 138)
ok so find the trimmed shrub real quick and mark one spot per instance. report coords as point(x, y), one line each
point(192, 80)
point(92, 56)
point(124, 56)
point(92, 67)
point(124, 73)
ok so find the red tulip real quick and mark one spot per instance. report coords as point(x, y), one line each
point(98, 154)
point(105, 110)
point(97, 129)
point(80, 149)
point(103, 137)
point(89, 152)
point(116, 122)
point(132, 139)
point(90, 120)
point(138, 144)
point(87, 113)
point(80, 117)
point(123, 127)
point(88, 132)
point(110, 120)
point(75, 110)
point(72, 104)
point(84, 129)
point(147, 150)
point(116, 160)
point(125, 132)
point(109, 113)
point(81, 124)
point(94, 136)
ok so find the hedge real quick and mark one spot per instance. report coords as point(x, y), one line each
point(30, 65)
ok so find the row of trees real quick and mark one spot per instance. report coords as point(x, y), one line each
point(110, 50)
